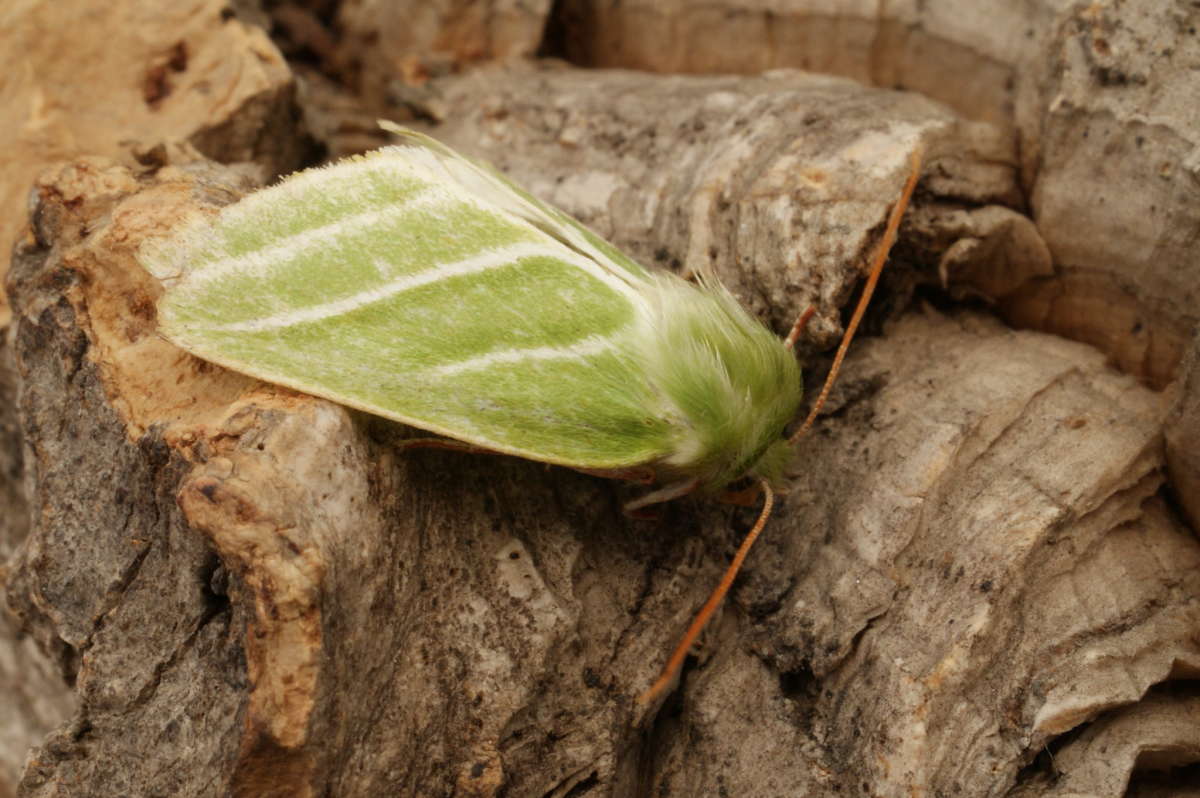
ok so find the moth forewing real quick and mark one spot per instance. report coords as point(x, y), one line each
point(428, 306)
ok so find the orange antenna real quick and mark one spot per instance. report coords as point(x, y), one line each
point(675, 662)
point(880, 258)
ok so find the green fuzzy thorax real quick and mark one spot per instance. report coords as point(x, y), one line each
point(727, 385)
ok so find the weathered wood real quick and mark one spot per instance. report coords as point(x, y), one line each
point(36, 699)
point(109, 577)
point(978, 585)
point(258, 594)
point(384, 45)
point(1183, 436)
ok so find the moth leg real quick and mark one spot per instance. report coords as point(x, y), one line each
point(798, 327)
point(663, 494)
point(641, 475)
point(445, 444)
point(675, 662)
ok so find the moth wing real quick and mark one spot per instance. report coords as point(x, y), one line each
point(480, 179)
point(380, 285)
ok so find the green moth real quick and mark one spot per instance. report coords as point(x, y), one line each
point(421, 286)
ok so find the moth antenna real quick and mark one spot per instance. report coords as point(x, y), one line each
point(675, 662)
point(798, 327)
point(880, 258)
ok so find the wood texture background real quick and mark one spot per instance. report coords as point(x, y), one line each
point(985, 579)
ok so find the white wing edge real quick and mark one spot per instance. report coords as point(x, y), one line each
point(485, 181)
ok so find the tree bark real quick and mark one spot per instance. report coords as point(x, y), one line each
point(981, 582)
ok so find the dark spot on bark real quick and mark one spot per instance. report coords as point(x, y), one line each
point(798, 681)
point(583, 787)
point(142, 307)
point(177, 59)
point(156, 85)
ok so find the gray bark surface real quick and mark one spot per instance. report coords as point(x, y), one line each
point(1183, 433)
